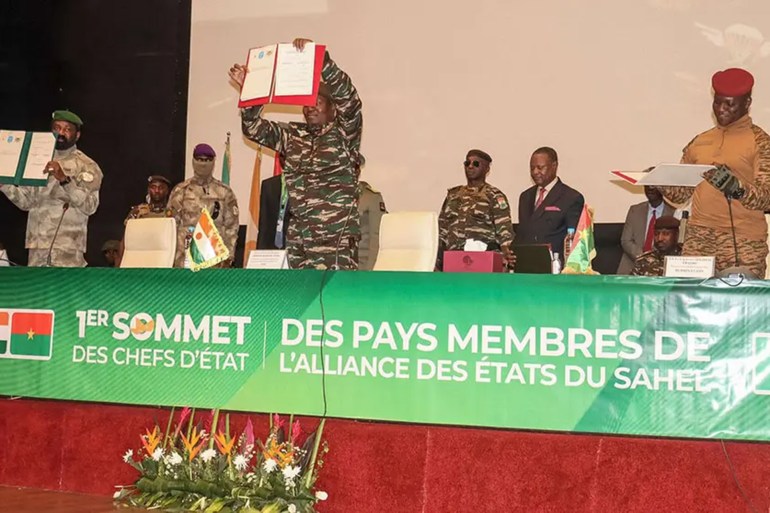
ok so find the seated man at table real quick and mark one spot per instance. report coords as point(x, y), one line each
point(666, 244)
point(476, 211)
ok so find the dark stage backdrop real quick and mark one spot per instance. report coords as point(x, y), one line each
point(123, 67)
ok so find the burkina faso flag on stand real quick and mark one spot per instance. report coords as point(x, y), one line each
point(26, 334)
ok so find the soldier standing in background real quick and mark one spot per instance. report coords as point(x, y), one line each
point(666, 243)
point(321, 158)
point(476, 211)
point(158, 188)
point(69, 197)
point(200, 191)
point(744, 148)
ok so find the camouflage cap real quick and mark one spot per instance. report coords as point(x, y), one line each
point(111, 245)
point(480, 154)
point(158, 178)
point(667, 223)
point(65, 115)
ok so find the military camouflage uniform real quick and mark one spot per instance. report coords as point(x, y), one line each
point(745, 149)
point(145, 210)
point(481, 214)
point(371, 208)
point(321, 176)
point(45, 205)
point(187, 200)
point(652, 263)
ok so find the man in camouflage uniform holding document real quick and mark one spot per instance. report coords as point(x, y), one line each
point(742, 149)
point(70, 196)
point(320, 167)
point(476, 211)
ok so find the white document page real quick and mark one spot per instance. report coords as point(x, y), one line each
point(40, 153)
point(688, 175)
point(11, 143)
point(294, 70)
point(259, 75)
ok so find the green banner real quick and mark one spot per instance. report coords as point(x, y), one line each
point(570, 353)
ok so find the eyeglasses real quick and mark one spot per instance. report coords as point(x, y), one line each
point(474, 163)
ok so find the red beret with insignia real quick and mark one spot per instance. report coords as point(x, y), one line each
point(732, 82)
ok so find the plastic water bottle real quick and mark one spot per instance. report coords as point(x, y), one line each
point(568, 242)
point(556, 264)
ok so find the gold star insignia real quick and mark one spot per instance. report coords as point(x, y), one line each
point(30, 334)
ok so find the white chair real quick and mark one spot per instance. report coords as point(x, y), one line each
point(408, 242)
point(149, 242)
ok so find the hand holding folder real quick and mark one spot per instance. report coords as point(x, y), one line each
point(285, 73)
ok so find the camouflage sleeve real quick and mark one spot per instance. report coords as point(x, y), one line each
point(757, 195)
point(231, 222)
point(679, 195)
point(346, 100)
point(24, 197)
point(640, 265)
point(443, 232)
point(83, 188)
point(262, 131)
point(501, 215)
point(175, 204)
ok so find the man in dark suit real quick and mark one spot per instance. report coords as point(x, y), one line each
point(549, 207)
point(273, 203)
point(639, 230)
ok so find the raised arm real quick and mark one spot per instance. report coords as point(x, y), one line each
point(346, 100)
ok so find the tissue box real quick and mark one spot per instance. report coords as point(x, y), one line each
point(473, 262)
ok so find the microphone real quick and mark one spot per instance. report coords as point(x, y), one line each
point(683, 226)
point(64, 209)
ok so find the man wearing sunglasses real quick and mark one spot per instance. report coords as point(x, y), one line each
point(476, 211)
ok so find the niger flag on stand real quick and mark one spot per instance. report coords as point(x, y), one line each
point(206, 246)
point(26, 334)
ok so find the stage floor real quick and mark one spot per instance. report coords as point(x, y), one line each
point(28, 500)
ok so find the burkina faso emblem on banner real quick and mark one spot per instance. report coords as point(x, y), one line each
point(26, 334)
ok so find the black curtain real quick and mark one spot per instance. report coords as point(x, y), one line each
point(121, 66)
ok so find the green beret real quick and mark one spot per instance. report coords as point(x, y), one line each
point(667, 223)
point(65, 115)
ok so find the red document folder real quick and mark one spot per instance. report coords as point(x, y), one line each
point(320, 52)
point(473, 262)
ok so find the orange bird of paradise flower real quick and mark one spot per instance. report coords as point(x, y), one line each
point(223, 445)
point(278, 452)
point(191, 444)
point(150, 441)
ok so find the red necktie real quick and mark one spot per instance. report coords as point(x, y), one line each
point(650, 234)
point(540, 197)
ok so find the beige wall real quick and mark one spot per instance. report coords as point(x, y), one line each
point(611, 84)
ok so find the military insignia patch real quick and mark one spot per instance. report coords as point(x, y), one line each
point(87, 176)
point(501, 202)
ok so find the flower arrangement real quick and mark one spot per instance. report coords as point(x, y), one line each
point(201, 467)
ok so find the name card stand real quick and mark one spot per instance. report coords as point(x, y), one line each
point(267, 259)
point(689, 267)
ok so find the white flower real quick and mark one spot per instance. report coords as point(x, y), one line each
point(208, 455)
point(292, 508)
point(128, 456)
point(240, 462)
point(116, 494)
point(173, 459)
point(290, 472)
point(321, 495)
point(269, 465)
point(158, 454)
